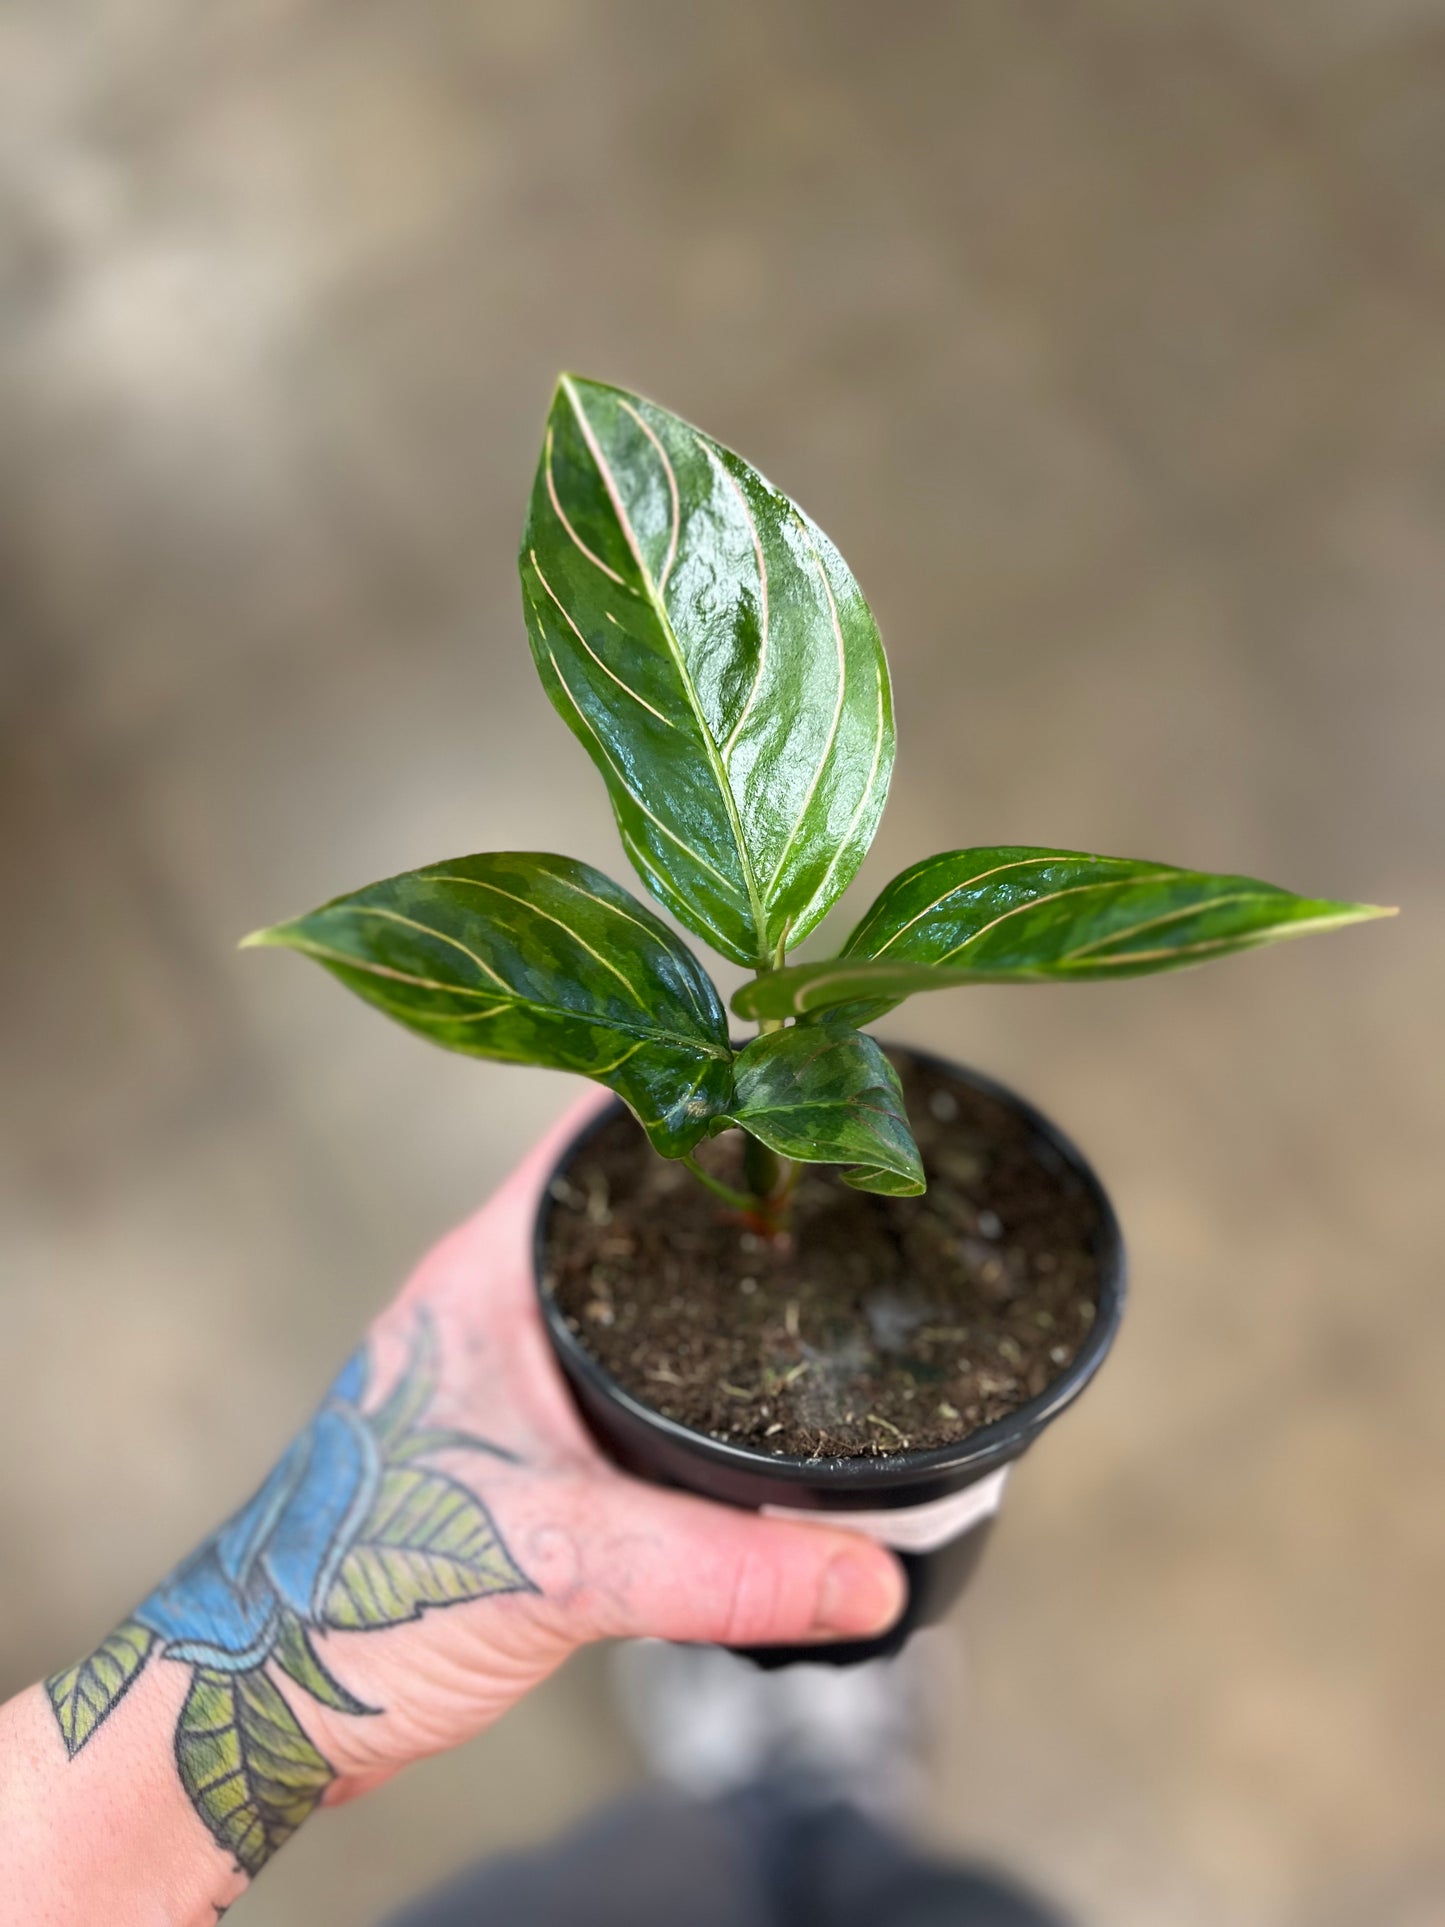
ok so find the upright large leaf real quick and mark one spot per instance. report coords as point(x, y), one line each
point(536, 960)
point(826, 1094)
point(1018, 915)
point(707, 645)
point(250, 1771)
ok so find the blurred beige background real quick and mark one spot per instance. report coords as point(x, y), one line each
point(1108, 341)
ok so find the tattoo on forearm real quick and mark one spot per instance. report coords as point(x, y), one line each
point(351, 1531)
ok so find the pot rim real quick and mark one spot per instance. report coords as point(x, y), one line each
point(872, 1476)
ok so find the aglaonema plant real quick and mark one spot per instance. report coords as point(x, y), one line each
point(708, 647)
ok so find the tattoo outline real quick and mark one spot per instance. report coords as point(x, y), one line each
point(351, 1531)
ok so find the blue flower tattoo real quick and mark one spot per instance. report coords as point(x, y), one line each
point(351, 1531)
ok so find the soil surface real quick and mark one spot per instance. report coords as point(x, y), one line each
point(878, 1325)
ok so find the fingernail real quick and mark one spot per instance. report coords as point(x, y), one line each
point(861, 1593)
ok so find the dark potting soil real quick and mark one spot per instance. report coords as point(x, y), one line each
point(880, 1324)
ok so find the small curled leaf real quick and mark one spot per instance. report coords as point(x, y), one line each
point(826, 1094)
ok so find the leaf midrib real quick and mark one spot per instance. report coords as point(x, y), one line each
point(710, 748)
point(325, 954)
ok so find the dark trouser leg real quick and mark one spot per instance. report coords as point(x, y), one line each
point(755, 1859)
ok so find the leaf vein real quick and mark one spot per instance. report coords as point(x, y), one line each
point(668, 470)
point(812, 790)
point(561, 514)
point(478, 883)
point(626, 688)
point(710, 747)
point(1169, 916)
point(1036, 903)
point(692, 855)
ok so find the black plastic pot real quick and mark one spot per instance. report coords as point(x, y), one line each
point(646, 1443)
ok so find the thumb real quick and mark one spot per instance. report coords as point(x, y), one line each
point(669, 1566)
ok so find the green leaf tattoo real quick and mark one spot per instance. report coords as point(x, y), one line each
point(348, 1533)
point(442, 1438)
point(426, 1542)
point(298, 1659)
point(84, 1694)
point(249, 1769)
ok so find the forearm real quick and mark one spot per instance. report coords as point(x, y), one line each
point(435, 1541)
point(148, 1782)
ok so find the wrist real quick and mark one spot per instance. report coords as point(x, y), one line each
point(106, 1835)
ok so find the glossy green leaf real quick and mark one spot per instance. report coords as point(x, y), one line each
point(707, 645)
point(1021, 915)
point(536, 960)
point(299, 1660)
point(85, 1694)
point(427, 1542)
point(826, 1094)
point(249, 1770)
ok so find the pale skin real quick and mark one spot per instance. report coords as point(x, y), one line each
point(109, 1830)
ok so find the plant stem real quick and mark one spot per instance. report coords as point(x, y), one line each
point(762, 1167)
point(770, 1179)
point(739, 1200)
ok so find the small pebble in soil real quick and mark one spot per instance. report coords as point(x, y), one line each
point(599, 1198)
point(747, 1286)
point(944, 1106)
point(960, 1167)
point(1059, 1354)
point(990, 1224)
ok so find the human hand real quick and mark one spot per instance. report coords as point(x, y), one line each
point(583, 1551)
point(442, 1535)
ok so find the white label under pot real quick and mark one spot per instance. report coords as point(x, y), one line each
point(914, 1528)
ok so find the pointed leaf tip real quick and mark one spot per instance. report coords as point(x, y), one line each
point(1026, 915)
point(531, 958)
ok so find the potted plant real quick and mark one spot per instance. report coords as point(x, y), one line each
point(821, 1276)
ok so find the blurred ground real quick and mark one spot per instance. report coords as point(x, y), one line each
point(1107, 342)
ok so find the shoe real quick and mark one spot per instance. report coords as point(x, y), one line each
point(708, 1723)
